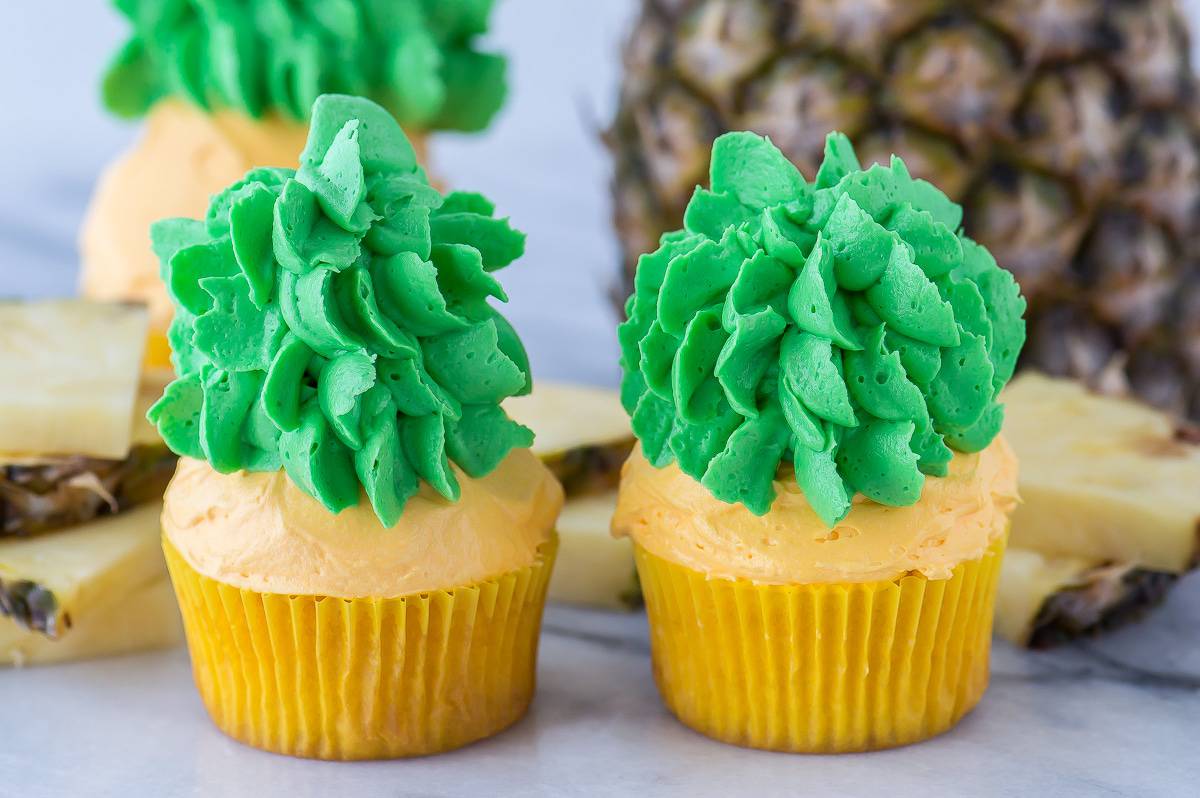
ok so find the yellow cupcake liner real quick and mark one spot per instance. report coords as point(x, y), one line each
point(364, 678)
point(820, 668)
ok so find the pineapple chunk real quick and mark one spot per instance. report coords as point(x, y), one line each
point(1102, 479)
point(144, 618)
point(593, 568)
point(68, 377)
point(582, 433)
point(583, 437)
point(1044, 600)
point(55, 584)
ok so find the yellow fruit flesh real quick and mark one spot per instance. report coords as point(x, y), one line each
point(593, 568)
point(68, 377)
point(1102, 479)
point(108, 581)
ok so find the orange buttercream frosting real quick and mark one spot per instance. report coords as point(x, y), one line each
point(259, 531)
point(674, 517)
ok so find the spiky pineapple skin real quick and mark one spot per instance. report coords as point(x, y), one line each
point(1069, 130)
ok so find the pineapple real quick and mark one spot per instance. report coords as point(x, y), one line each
point(68, 377)
point(1110, 513)
point(1067, 129)
point(582, 434)
point(74, 441)
point(97, 588)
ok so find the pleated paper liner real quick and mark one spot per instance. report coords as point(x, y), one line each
point(366, 678)
point(820, 668)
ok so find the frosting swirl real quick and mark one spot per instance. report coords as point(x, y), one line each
point(847, 325)
point(416, 57)
point(335, 321)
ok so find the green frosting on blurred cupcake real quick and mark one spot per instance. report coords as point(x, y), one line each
point(417, 58)
point(336, 322)
point(846, 324)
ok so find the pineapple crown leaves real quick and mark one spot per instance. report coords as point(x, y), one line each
point(416, 57)
point(846, 324)
point(335, 321)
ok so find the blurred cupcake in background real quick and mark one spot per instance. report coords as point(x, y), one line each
point(359, 537)
point(225, 87)
point(820, 497)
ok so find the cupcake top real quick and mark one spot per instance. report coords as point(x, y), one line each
point(415, 57)
point(846, 325)
point(335, 321)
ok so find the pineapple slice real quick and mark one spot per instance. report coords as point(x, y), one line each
point(593, 568)
point(145, 618)
point(67, 587)
point(68, 377)
point(582, 433)
point(1109, 514)
point(1043, 600)
point(583, 436)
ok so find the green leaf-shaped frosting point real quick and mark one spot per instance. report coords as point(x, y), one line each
point(483, 437)
point(812, 367)
point(910, 303)
point(710, 213)
point(938, 249)
point(498, 243)
point(752, 169)
point(840, 160)
point(234, 333)
point(250, 232)
point(177, 416)
point(750, 351)
point(278, 56)
point(963, 388)
point(228, 397)
point(877, 461)
point(744, 471)
point(783, 238)
point(815, 303)
point(861, 247)
point(848, 325)
point(697, 280)
point(188, 266)
point(977, 436)
point(807, 429)
point(694, 386)
point(879, 384)
point(452, 359)
point(424, 441)
point(283, 390)
point(817, 475)
point(387, 478)
point(343, 382)
point(358, 362)
point(320, 464)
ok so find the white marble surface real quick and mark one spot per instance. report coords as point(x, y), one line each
point(1120, 716)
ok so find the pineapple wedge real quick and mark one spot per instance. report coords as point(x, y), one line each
point(1110, 511)
point(582, 433)
point(1045, 600)
point(97, 588)
point(583, 436)
point(69, 373)
point(593, 568)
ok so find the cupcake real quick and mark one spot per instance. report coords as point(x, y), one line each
point(228, 86)
point(820, 495)
point(359, 537)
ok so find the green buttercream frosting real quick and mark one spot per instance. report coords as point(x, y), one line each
point(417, 58)
point(846, 325)
point(336, 322)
